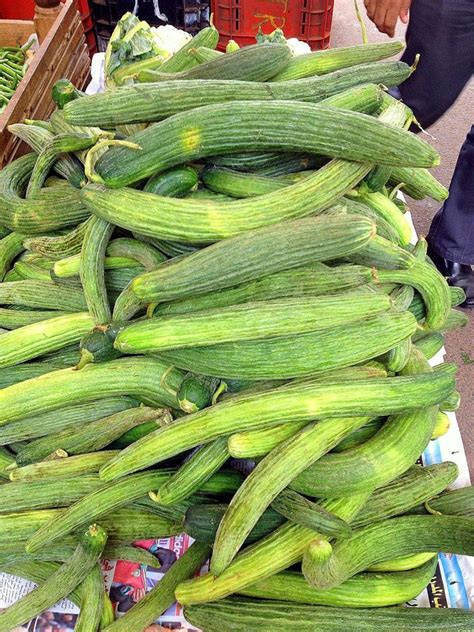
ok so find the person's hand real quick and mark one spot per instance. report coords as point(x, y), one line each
point(385, 13)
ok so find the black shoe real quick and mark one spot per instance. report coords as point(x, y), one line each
point(458, 275)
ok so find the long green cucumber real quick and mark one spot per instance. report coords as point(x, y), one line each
point(394, 448)
point(457, 502)
point(297, 402)
point(143, 253)
point(70, 266)
point(47, 423)
point(147, 379)
point(60, 246)
point(262, 125)
point(260, 488)
point(28, 496)
point(266, 163)
point(398, 356)
point(416, 485)
point(299, 509)
point(161, 597)
point(176, 182)
point(206, 221)
point(240, 616)
point(13, 318)
point(37, 137)
point(252, 63)
point(55, 207)
point(10, 247)
point(297, 355)
point(403, 563)
point(37, 339)
point(279, 550)
point(56, 145)
point(152, 102)
point(381, 253)
point(419, 183)
point(430, 345)
point(323, 62)
point(65, 467)
point(194, 472)
point(431, 285)
point(93, 250)
point(239, 184)
point(102, 502)
point(451, 403)
point(92, 602)
point(391, 538)
point(292, 245)
point(389, 211)
point(26, 371)
point(42, 295)
point(181, 59)
point(249, 321)
point(90, 437)
point(65, 580)
point(28, 270)
point(311, 280)
point(365, 590)
point(38, 571)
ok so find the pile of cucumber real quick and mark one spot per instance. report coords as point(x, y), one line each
point(212, 273)
point(13, 65)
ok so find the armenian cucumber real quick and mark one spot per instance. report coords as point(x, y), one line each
point(281, 549)
point(42, 295)
point(269, 478)
point(65, 467)
point(311, 280)
point(290, 245)
point(92, 436)
point(365, 590)
point(298, 402)
point(241, 616)
point(60, 584)
point(161, 596)
point(66, 417)
point(300, 355)
point(10, 247)
point(181, 59)
point(261, 125)
point(92, 602)
point(325, 61)
point(457, 502)
point(416, 485)
point(202, 521)
point(419, 183)
point(430, 345)
point(92, 276)
point(252, 63)
point(403, 563)
point(382, 541)
point(249, 321)
point(36, 339)
point(194, 472)
point(156, 101)
point(176, 182)
point(60, 246)
point(113, 496)
point(147, 379)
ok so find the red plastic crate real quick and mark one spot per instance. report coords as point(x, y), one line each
point(240, 20)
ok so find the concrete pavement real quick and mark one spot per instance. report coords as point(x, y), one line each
point(447, 135)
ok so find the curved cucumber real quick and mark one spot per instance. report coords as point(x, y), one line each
point(177, 182)
point(92, 276)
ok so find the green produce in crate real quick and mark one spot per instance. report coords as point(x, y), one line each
point(156, 101)
point(297, 402)
point(243, 615)
point(60, 584)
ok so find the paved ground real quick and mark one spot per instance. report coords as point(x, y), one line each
point(448, 136)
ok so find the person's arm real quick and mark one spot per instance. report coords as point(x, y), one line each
point(385, 13)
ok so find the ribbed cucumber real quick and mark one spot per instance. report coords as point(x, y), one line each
point(297, 355)
point(176, 182)
point(10, 247)
point(181, 59)
point(262, 125)
point(156, 101)
point(59, 246)
point(298, 402)
point(92, 276)
point(249, 321)
point(62, 468)
point(36, 339)
point(241, 616)
point(419, 183)
point(311, 280)
point(42, 295)
point(457, 502)
point(149, 380)
point(388, 539)
point(365, 590)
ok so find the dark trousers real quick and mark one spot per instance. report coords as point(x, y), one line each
point(442, 32)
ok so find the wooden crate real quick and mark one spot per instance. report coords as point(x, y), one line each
point(62, 53)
